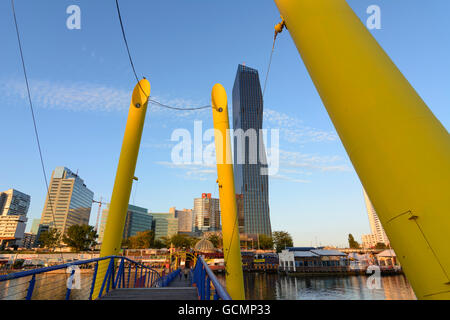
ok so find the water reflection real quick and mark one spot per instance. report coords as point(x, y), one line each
point(262, 286)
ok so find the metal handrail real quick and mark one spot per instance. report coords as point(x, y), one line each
point(21, 274)
point(202, 277)
point(114, 278)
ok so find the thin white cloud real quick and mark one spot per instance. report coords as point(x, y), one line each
point(293, 130)
point(201, 172)
point(311, 162)
point(288, 178)
point(87, 97)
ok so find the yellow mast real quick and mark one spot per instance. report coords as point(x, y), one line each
point(227, 195)
point(399, 149)
point(118, 208)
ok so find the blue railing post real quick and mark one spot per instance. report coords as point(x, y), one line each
point(202, 283)
point(129, 274)
point(204, 278)
point(69, 289)
point(93, 281)
point(123, 274)
point(135, 276)
point(113, 272)
point(107, 278)
point(116, 283)
point(140, 278)
point(31, 287)
point(151, 279)
point(208, 288)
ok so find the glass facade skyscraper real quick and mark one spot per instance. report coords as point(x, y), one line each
point(250, 165)
point(137, 220)
point(165, 224)
point(68, 202)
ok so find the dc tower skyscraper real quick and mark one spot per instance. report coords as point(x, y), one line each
point(250, 164)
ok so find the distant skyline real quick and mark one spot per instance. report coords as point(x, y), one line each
point(81, 86)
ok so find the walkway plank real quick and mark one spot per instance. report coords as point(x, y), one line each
point(178, 289)
point(168, 293)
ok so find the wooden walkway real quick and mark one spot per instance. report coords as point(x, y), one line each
point(178, 289)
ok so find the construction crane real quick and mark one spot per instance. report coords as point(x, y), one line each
point(100, 203)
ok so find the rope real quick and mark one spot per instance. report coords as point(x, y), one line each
point(32, 115)
point(270, 63)
point(176, 108)
point(152, 101)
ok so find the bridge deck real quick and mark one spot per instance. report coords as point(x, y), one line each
point(178, 289)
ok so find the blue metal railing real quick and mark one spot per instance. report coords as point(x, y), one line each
point(43, 283)
point(167, 279)
point(202, 276)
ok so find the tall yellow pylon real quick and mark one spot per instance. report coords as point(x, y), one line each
point(227, 195)
point(399, 149)
point(118, 208)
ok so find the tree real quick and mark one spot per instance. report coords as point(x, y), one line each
point(265, 242)
point(126, 243)
point(181, 240)
point(352, 243)
point(158, 244)
point(18, 264)
point(282, 239)
point(49, 238)
point(380, 245)
point(216, 240)
point(142, 240)
point(80, 237)
point(165, 241)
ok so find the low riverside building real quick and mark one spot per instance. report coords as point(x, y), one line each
point(247, 260)
point(387, 261)
point(259, 260)
point(266, 261)
point(309, 259)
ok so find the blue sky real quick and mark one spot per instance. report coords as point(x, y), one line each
point(81, 84)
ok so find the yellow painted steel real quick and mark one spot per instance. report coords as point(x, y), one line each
point(118, 208)
point(227, 195)
point(399, 149)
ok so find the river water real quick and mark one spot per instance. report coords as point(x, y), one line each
point(258, 286)
point(263, 286)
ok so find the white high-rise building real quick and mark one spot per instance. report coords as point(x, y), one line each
point(14, 207)
point(375, 224)
point(207, 213)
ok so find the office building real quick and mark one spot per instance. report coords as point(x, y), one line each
point(28, 241)
point(42, 228)
point(138, 220)
point(369, 241)
point(164, 225)
point(207, 213)
point(185, 219)
point(14, 207)
point(35, 226)
point(69, 201)
point(250, 161)
point(375, 224)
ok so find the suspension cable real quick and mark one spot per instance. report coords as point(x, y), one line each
point(270, 63)
point(278, 29)
point(152, 101)
point(33, 116)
